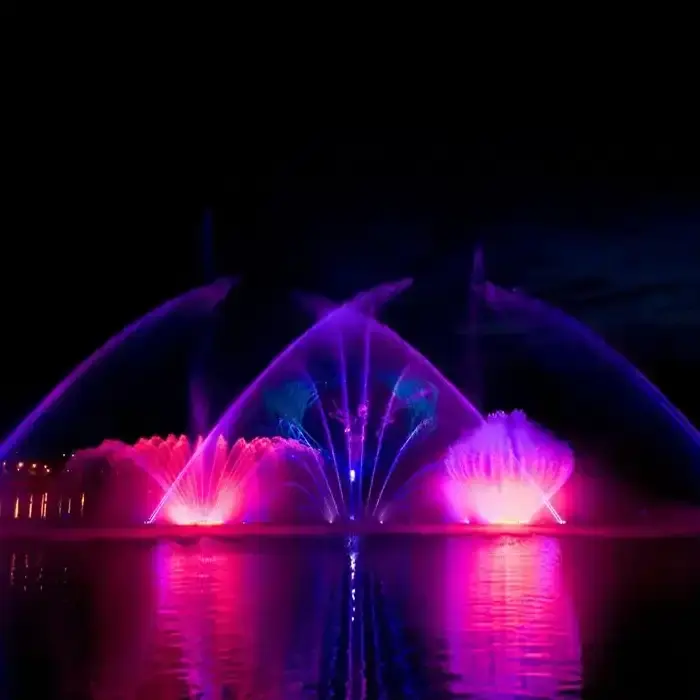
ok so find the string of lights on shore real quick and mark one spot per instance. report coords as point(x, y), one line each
point(34, 468)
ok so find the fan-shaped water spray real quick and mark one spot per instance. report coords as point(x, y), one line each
point(242, 482)
point(507, 471)
point(350, 389)
point(371, 299)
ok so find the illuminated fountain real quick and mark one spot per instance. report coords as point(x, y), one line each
point(337, 426)
point(506, 472)
point(348, 423)
point(353, 440)
point(367, 411)
point(210, 494)
point(242, 482)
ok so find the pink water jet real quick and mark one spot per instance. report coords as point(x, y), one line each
point(223, 484)
point(220, 485)
point(506, 472)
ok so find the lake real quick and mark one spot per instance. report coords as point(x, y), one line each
point(384, 617)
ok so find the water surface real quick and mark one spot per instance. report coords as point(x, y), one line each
point(386, 617)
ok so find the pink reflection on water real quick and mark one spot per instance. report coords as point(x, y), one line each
point(510, 625)
point(227, 620)
point(499, 610)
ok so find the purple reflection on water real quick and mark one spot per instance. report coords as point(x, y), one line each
point(395, 617)
point(228, 619)
point(514, 631)
point(499, 608)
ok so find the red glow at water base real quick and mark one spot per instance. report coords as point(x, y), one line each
point(507, 472)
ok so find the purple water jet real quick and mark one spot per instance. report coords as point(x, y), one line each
point(197, 301)
point(536, 316)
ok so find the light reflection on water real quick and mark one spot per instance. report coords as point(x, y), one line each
point(503, 616)
point(239, 618)
point(515, 631)
point(318, 618)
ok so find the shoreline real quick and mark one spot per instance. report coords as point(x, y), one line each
point(195, 532)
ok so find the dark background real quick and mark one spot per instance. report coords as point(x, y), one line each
point(110, 211)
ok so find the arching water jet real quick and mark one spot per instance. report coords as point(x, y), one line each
point(544, 317)
point(197, 300)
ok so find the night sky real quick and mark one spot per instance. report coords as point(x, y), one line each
point(106, 218)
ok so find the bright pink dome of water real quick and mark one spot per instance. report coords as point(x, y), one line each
point(221, 484)
point(187, 482)
point(507, 472)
